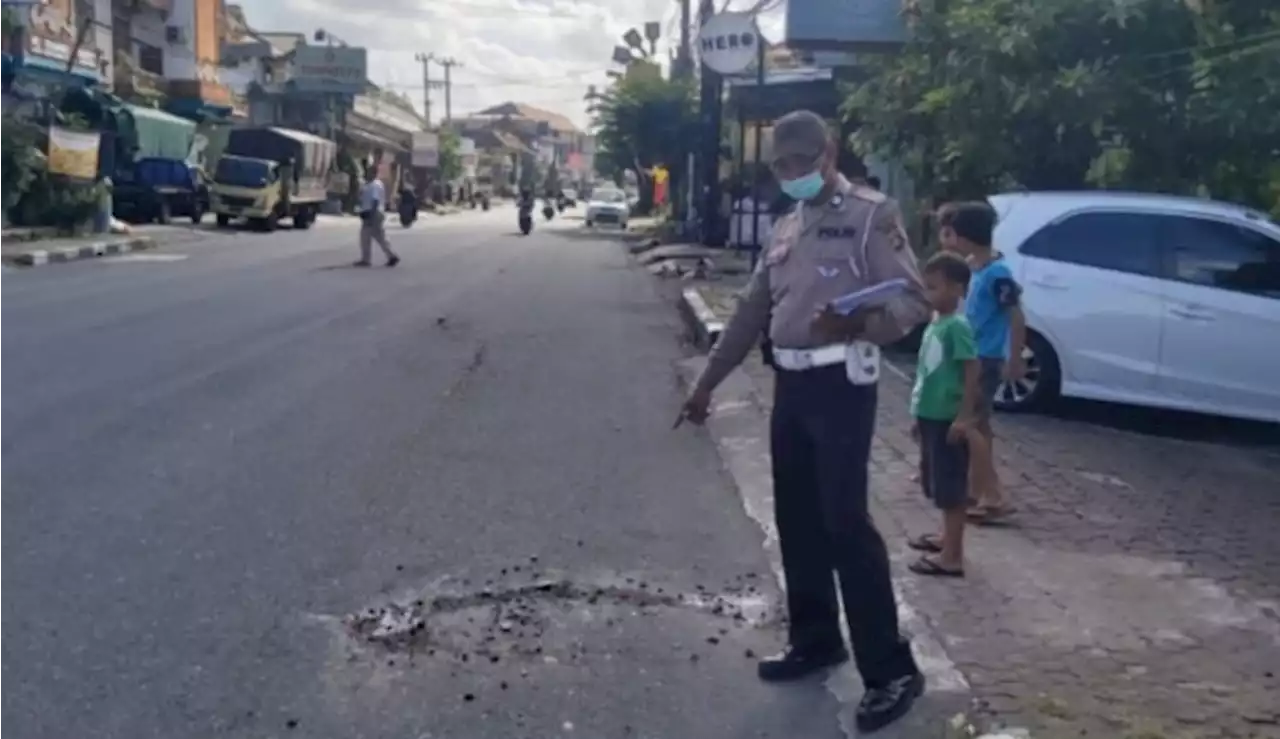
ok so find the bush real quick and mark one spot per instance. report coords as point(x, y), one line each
point(21, 159)
point(54, 201)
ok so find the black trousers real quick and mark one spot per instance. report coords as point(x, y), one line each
point(820, 438)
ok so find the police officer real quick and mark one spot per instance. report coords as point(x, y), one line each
point(839, 238)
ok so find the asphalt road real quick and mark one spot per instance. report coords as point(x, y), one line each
point(219, 456)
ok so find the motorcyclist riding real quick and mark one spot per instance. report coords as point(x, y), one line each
point(526, 211)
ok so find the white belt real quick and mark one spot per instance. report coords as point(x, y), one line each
point(802, 359)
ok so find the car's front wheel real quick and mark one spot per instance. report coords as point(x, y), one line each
point(1040, 384)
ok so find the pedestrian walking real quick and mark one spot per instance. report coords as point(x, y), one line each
point(944, 400)
point(373, 220)
point(839, 238)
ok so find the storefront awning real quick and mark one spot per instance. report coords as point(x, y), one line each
point(378, 142)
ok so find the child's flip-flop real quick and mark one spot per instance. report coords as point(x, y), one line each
point(989, 515)
point(930, 567)
point(925, 543)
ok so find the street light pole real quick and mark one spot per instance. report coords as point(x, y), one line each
point(684, 57)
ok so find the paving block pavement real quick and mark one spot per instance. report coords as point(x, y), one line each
point(1136, 595)
point(56, 251)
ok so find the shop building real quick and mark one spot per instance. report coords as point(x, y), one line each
point(38, 52)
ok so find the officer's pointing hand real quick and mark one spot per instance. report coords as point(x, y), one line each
point(831, 325)
point(696, 408)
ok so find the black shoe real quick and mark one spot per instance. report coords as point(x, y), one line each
point(883, 705)
point(361, 263)
point(393, 261)
point(794, 664)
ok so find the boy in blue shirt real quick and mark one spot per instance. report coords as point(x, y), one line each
point(993, 308)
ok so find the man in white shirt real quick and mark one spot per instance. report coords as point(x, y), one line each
point(373, 219)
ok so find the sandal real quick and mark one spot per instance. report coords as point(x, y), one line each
point(925, 543)
point(990, 515)
point(930, 567)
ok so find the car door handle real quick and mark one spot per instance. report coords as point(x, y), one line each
point(1048, 284)
point(1191, 314)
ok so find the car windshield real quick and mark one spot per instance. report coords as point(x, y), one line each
point(610, 196)
point(240, 172)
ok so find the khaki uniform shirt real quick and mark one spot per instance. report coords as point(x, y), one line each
point(855, 240)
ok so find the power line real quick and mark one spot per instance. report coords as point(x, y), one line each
point(413, 86)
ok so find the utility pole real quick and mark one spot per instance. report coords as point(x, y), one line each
point(709, 109)
point(683, 186)
point(425, 60)
point(448, 65)
point(684, 56)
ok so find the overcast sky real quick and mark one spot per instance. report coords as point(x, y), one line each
point(540, 52)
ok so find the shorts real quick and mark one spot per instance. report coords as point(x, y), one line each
point(944, 466)
point(990, 376)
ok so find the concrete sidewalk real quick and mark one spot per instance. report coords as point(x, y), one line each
point(1134, 595)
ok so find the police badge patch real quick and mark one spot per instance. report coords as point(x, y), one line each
point(895, 231)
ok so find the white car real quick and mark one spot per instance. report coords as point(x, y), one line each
point(608, 206)
point(1144, 299)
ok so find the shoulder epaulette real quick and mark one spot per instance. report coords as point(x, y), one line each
point(868, 194)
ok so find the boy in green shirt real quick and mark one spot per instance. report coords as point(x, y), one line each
point(943, 403)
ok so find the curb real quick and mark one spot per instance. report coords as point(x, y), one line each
point(40, 257)
point(702, 324)
point(738, 428)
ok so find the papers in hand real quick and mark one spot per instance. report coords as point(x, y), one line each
point(874, 295)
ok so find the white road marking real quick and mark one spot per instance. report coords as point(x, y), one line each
point(140, 257)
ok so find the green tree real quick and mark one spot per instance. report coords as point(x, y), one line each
point(1147, 94)
point(643, 121)
point(450, 159)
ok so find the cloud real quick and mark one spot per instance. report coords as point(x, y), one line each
point(541, 52)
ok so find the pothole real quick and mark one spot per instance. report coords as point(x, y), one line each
point(529, 622)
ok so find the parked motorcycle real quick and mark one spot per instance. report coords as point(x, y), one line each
point(484, 202)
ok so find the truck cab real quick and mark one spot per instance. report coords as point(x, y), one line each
point(245, 187)
point(266, 175)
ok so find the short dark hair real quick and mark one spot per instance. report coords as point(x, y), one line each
point(950, 267)
point(971, 221)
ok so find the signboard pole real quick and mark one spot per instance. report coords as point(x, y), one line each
point(759, 173)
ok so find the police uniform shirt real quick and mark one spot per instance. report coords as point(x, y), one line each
point(818, 253)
